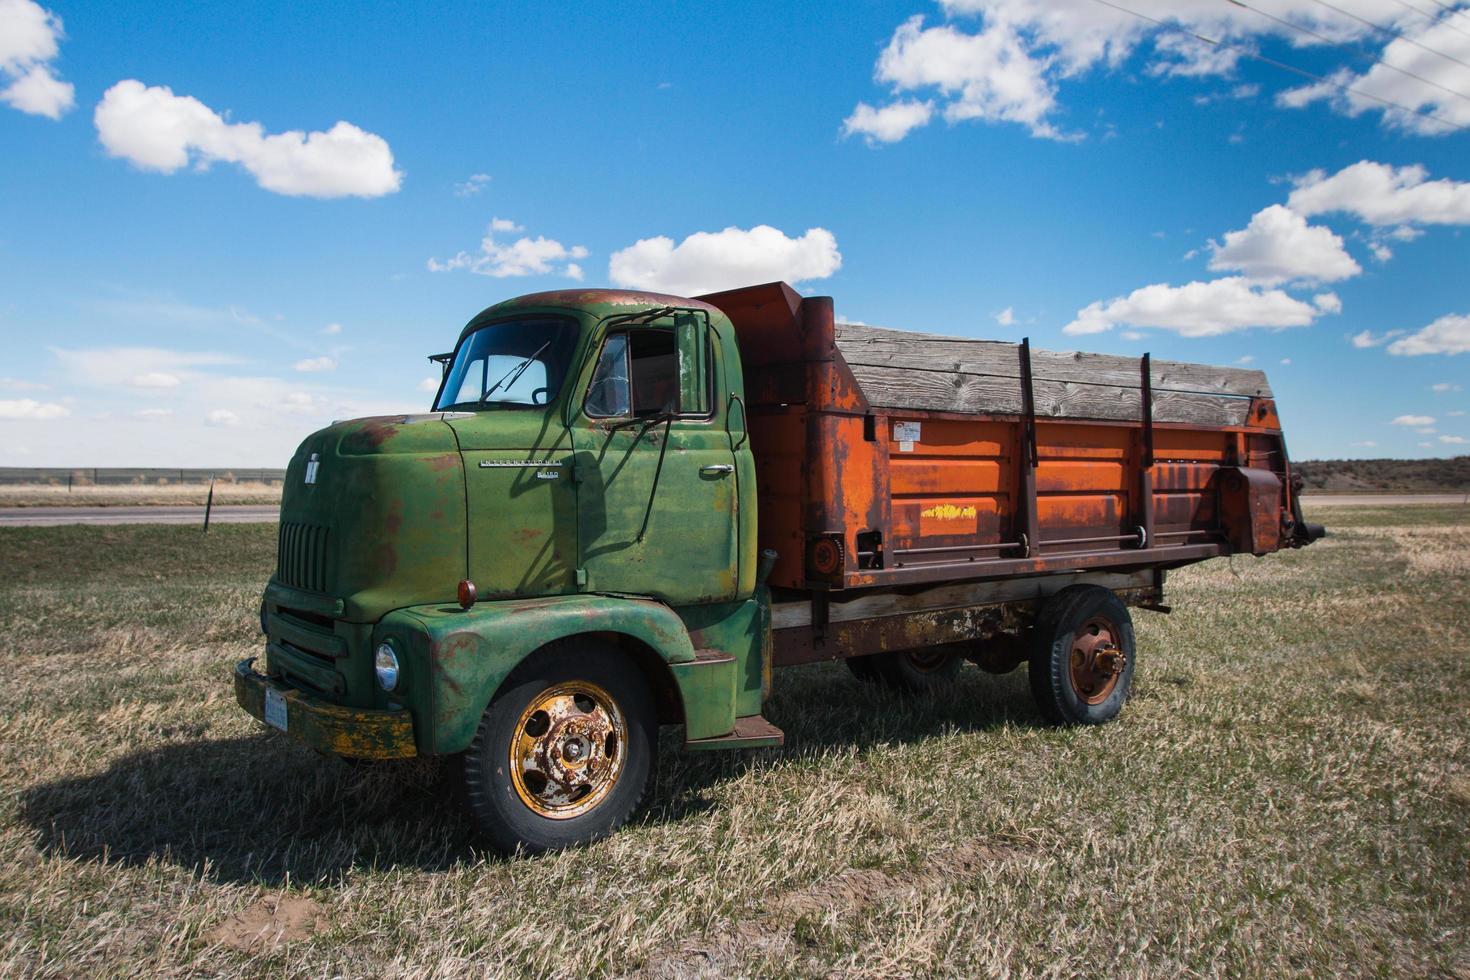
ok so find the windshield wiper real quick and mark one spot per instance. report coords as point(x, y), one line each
point(514, 374)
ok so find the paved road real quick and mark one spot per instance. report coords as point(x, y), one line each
point(1378, 499)
point(222, 514)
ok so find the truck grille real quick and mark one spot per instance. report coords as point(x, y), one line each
point(301, 560)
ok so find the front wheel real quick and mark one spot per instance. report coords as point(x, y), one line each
point(1082, 656)
point(564, 753)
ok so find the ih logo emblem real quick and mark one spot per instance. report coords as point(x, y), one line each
point(311, 468)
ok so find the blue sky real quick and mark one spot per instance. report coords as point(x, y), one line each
point(179, 287)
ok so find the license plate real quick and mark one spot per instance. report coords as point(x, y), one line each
point(275, 708)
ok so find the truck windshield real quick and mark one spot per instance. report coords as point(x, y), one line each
point(510, 363)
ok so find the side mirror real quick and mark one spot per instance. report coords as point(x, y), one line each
point(443, 360)
point(689, 341)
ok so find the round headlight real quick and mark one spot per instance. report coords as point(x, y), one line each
point(385, 664)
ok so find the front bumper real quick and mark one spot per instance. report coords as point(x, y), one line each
point(355, 733)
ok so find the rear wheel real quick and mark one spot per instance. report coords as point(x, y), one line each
point(565, 751)
point(908, 670)
point(1082, 656)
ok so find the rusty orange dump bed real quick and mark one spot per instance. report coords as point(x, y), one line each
point(888, 458)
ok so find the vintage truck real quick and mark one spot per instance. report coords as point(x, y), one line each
point(626, 508)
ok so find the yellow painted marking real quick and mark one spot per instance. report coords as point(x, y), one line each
point(949, 512)
point(949, 520)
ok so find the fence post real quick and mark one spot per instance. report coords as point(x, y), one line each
point(209, 503)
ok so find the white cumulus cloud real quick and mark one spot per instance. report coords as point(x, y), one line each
point(313, 365)
point(1383, 195)
point(1278, 245)
point(1415, 421)
point(1203, 309)
point(29, 408)
point(709, 261)
point(1365, 339)
point(1436, 50)
point(889, 124)
point(987, 75)
point(1009, 60)
point(526, 256)
point(222, 417)
point(332, 329)
point(1449, 334)
point(1006, 317)
point(30, 38)
point(1453, 440)
point(157, 130)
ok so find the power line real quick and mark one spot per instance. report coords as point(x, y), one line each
point(1452, 10)
point(1179, 29)
point(1391, 33)
point(1362, 54)
point(1434, 19)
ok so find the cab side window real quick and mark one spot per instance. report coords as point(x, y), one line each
point(637, 373)
point(607, 395)
point(655, 365)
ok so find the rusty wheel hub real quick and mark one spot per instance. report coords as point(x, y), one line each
point(1096, 660)
point(567, 753)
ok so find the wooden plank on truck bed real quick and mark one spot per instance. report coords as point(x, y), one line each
point(937, 391)
point(884, 347)
point(928, 372)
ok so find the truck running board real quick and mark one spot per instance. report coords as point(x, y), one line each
point(751, 732)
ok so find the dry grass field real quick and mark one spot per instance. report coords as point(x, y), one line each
point(1288, 792)
point(135, 495)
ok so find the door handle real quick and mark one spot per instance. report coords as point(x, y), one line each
point(718, 469)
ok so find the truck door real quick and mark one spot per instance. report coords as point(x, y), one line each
point(522, 534)
point(656, 482)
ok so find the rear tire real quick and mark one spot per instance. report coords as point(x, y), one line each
point(1082, 656)
point(913, 671)
point(864, 668)
point(564, 753)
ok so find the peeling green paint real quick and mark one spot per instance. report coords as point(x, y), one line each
point(458, 658)
point(541, 507)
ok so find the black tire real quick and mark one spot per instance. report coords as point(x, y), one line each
point(1075, 675)
point(507, 808)
point(864, 668)
point(913, 671)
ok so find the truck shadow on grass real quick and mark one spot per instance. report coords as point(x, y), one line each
point(258, 808)
point(822, 709)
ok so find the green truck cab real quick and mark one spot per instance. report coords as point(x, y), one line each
point(535, 575)
point(625, 508)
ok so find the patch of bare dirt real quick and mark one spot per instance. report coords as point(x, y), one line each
point(846, 893)
point(270, 922)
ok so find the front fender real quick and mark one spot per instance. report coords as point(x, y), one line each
point(454, 660)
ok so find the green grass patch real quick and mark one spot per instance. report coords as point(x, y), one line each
point(1287, 792)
